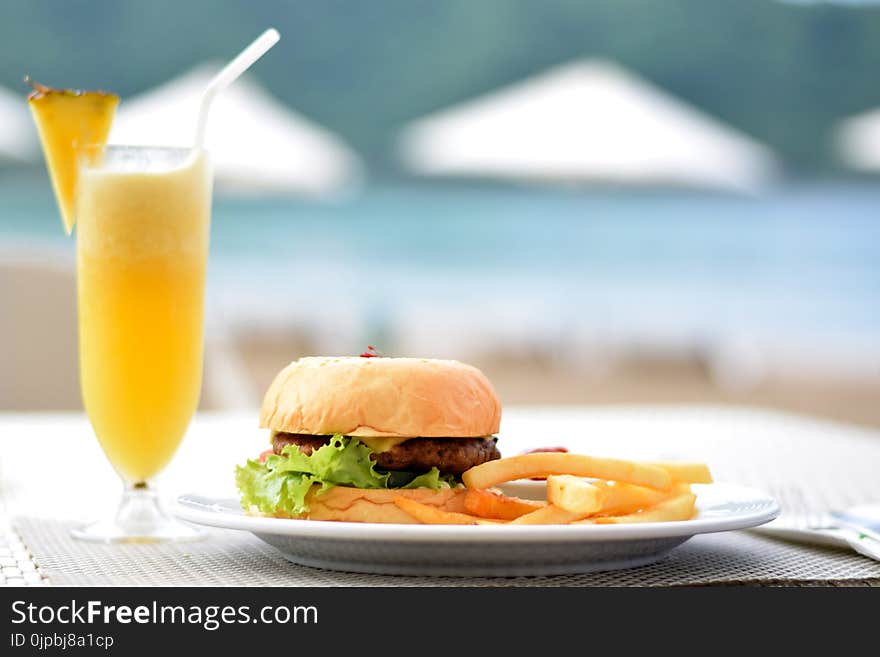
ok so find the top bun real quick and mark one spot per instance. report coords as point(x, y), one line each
point(403, 397)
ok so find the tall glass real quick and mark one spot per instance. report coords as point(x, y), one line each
point(143, 218)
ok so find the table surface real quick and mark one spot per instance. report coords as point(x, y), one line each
point(53, 473)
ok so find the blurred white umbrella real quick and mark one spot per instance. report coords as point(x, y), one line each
point(255, 141)
point(586, 121)
point(857, 141)
point(18, 138)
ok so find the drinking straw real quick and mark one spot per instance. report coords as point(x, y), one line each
point(230, 72)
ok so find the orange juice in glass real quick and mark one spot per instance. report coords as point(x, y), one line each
point(143, 218)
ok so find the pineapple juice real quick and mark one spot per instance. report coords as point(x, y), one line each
point(142, 245)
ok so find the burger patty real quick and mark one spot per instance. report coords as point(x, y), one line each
point(449, 455)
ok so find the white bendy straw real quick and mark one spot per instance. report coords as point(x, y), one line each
point(230, 72)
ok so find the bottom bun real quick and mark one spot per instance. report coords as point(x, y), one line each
point(347, 504)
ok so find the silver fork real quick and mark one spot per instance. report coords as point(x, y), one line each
point(800, 522)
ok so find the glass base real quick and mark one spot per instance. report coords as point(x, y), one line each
point(139, 519)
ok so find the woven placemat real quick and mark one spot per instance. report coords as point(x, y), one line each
point(230, 558)
point(809, 466)
point(17, 567)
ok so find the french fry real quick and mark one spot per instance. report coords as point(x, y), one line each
point(548, 515)
point(543, 464)
point(580, 489)
point(487, 504)
point(431, 515)
point(678, 507)
point(685, 472)
point(622, 499)
point(574, 494)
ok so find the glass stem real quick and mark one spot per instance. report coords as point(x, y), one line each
point(139, 510)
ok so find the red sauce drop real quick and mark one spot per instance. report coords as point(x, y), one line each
point(543, 449)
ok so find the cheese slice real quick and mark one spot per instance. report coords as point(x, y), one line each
point(382, 443)
point(378, 443)
point(386, 443)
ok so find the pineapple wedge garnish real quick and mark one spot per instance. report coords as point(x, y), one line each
point(67, 120)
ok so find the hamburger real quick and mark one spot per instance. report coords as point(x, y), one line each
point(348, 435)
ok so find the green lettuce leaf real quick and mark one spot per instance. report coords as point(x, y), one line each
point(282, 482)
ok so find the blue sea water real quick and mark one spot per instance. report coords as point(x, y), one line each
point(801, 262)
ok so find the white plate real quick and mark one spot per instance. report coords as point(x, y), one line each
point(528, 489)
point(477, 550)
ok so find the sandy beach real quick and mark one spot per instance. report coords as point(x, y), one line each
point(43, 339)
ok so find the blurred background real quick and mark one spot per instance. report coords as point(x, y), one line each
point(613, 201)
